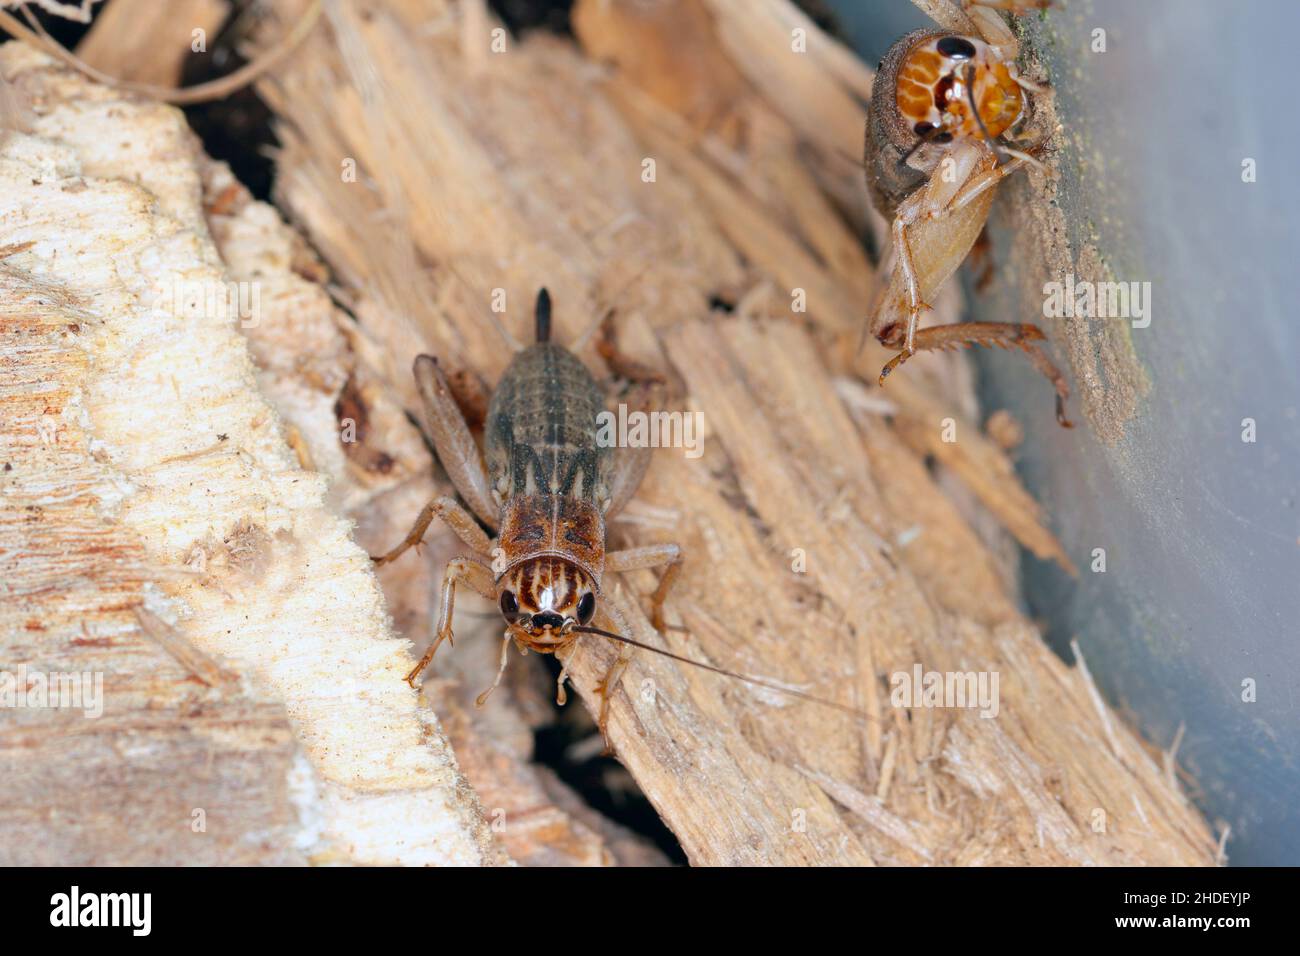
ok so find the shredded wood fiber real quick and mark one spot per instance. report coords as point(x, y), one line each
point(822, 549)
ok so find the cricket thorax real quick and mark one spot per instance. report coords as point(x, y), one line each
point(942, 76)
point(554, 549)
point(559, 526)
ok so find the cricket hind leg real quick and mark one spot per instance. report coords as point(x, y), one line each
point(1007, 335)
point(650, 556)
point(457, 450)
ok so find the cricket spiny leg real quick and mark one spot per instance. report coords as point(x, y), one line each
point(1026, 84)
point(650, 556)
point(908, 213)
point(914, 304)
point(1005, 335)
point(606, 687)
point(467, 571)
point(979, 184)
point(457, 518)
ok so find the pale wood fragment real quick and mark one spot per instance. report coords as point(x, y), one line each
point(130, 40)
point(148, 469)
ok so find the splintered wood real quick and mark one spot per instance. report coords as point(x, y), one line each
point(692, 179)
point(173, 516)
point(157, 533)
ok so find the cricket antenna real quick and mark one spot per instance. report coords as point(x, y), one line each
point(542, 315)
point(771, 685)
point(979, 120)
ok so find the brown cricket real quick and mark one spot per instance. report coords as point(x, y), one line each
point(941, 134)
point(547, 488)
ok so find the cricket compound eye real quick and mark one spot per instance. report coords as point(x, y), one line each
point(586, 608)
point(509, 604)
point(956, 48)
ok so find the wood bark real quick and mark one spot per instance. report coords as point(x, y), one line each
point(159, 533)
point(528, 167)
point(699, 183)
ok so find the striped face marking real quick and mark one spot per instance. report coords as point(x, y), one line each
point(543, 598)
point(934, 89)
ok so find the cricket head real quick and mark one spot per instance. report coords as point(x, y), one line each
point(543, 599)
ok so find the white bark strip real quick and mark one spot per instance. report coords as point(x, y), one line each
point(101, 200)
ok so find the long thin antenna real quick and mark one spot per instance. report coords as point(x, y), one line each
point(771, 685)
point(581, 341)
point(979, 120)
point(514, 344)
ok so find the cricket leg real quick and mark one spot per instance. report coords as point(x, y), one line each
point(562, 696)
point(930, 202)
point(976, 173)
point(908, 214)
point(618, 361)
point(457, 451)
point(993, 29)
point(456, 517)
point(610, 609)
point(467, 571)
point(1023, 83)
point(986, 179)
point(650, 556)
point(1004, 335)
point(481, 699)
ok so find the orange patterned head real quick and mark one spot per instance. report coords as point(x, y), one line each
point(544, 598)
point(950, 86)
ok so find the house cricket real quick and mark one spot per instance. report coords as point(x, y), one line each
point(547, 488)
point(940, 136)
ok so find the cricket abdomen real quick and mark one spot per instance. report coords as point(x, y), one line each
point(541, 428)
